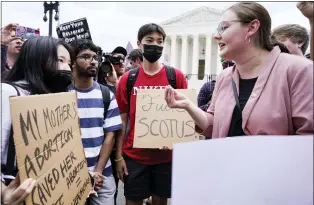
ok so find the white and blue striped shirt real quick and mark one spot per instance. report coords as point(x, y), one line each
point(93, 124)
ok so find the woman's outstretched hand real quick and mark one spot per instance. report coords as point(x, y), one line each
point(176, 99)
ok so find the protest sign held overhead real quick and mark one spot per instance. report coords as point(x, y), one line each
point(49, 149)
point(157, 125)
point(72, 30)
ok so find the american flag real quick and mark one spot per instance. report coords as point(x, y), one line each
point(129, 48)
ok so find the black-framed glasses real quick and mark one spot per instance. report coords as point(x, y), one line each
point(89, 57)
point(222, 27)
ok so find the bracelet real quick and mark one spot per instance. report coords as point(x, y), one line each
point(118, 160)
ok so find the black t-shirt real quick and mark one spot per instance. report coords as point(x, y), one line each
point(245, 89)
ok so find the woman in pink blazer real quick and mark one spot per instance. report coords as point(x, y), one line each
point(266, 92)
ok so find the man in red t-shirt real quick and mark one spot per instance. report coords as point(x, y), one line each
point(145, 172)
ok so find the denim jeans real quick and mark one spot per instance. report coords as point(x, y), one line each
point(106, 193)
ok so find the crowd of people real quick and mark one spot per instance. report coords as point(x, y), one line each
point(266, 88)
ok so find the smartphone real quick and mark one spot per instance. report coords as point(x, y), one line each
point(26, 32)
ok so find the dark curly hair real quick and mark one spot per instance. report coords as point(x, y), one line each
point(83, 44)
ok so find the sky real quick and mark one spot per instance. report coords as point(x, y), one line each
point(114, 24)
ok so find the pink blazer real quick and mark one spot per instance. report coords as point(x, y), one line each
point(281, 102)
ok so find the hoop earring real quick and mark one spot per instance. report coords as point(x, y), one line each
point(247, 39)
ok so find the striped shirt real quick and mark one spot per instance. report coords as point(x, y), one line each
point(93, 124)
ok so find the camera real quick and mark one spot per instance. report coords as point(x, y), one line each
point(114, 59)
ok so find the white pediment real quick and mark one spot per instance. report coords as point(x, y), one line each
point(200, 15)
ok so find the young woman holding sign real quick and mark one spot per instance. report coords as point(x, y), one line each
point(266, 92)
point(43, 66)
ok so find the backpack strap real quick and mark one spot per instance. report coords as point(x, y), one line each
point(105, 97)
point(171, 75)
point(133, 73)
point(11, 155)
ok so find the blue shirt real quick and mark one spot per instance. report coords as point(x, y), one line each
point(94, 125)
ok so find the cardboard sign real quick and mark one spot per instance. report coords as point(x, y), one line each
point(77, 29)
point(48, 147)
point(157, 125)
point(259, 170)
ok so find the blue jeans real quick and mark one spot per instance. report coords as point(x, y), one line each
point(106, 193)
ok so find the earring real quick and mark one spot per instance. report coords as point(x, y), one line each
point(247, 39)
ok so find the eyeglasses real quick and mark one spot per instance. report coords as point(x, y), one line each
point(221, 27)
point(89, 58)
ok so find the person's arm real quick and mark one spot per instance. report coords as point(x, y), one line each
point(175, 99)
point(306, 8)
point(105, 151)
point(112, 124)
point(204, 120)
point(301, 95)
point(120, 136)
point(123, 103)
point(201, 118)
point(312, 41)
point(6, 38)
point(116, 84)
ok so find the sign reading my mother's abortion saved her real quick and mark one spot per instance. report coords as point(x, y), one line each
point(49, 149)
point(157, 125)
point(77, 29)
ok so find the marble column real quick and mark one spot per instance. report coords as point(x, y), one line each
point(208, 55)
point(173, 60)
point(166, 51)
point(195, 59)
point(184, 55)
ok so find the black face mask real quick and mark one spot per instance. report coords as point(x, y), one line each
point(58, 81)
point(152, 52)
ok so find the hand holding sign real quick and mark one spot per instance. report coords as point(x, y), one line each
point(15, 193)
point(99, 180)
point(8, 34)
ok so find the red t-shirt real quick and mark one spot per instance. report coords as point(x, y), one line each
point(157, 81)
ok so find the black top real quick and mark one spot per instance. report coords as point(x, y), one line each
point(4, 65)
point(245, 89)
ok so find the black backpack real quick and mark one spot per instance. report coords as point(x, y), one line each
point(105, 97)
point(171, 75)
